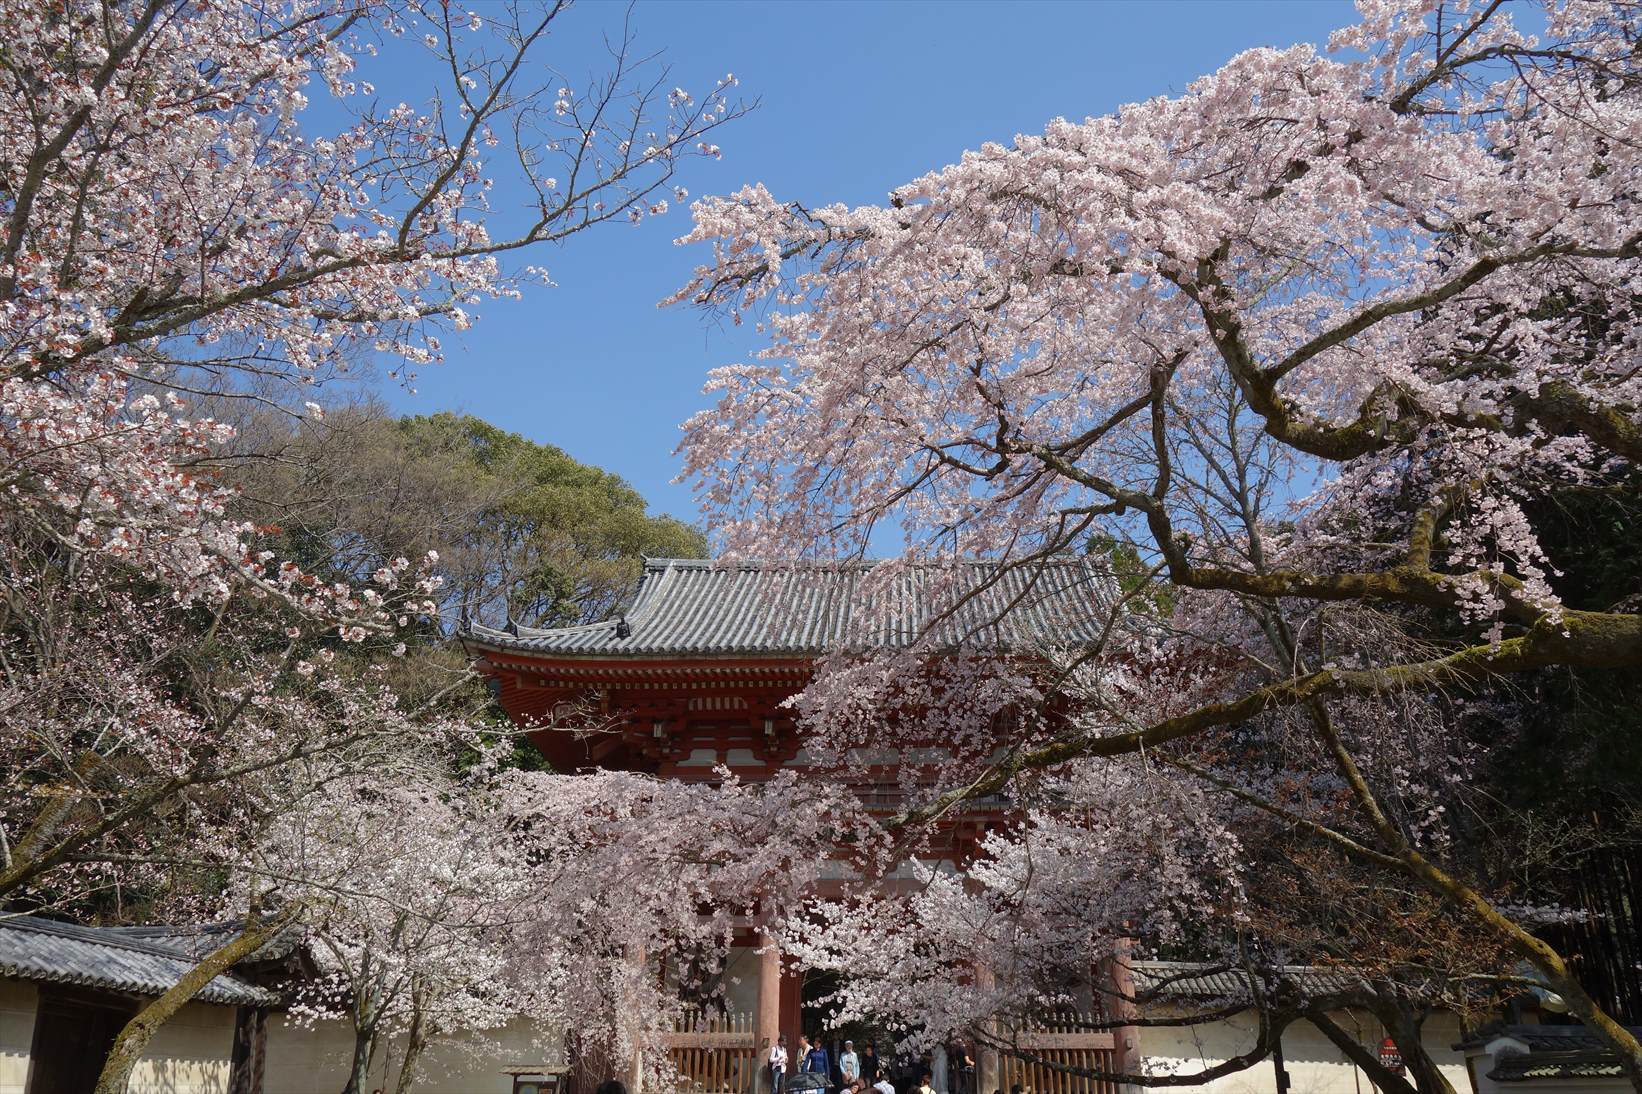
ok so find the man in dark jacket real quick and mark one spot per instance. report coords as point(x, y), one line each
point(871, 1069)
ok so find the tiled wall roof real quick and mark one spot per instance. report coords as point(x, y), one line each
point(110, 959)
point(1186, 979)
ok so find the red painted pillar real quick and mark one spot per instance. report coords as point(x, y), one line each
point(767, 1022)
point(792, 1004)
point(1115, 990)
point(988, 1074)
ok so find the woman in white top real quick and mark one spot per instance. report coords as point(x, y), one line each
point(778, 1063)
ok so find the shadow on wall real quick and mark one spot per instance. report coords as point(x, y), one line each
point(189, 1055)
point(1314, 1064)
point(306, 1057)
point(180, 1077)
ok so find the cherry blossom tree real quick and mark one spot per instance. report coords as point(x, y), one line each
point(643, 886)
point(1009, 940)
point(1309, 339)
point(176, 224)
point(148, 747)
point(170, 225)
point(412, 891)
point(132, 724)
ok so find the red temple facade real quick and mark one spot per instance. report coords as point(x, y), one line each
point(694, 675)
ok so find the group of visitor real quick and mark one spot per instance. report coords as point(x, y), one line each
point(812, 1066)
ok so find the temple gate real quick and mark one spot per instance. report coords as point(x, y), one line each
point(693, 675)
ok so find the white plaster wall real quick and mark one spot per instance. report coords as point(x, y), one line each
point(189, 1054)
point(314, 1059)
point(18, 1000)
point(306, 1059)
point(741, 980)
point(1314, 1064)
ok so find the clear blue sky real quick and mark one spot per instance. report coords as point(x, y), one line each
point(856, 99)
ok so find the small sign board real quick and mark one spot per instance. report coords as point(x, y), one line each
point(535, 1080)
point(1391, 1058)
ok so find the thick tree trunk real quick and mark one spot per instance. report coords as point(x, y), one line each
point(365, 1018)
point(416, 1039)
point(133, 1040)
point(1407, 1030)
point(1384, 1079)
point(364, 1051)
point(359, 1069)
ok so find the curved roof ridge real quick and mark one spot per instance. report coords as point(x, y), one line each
point(124, 938)
point(761, 563)
point(800, 608)
point(658, 563)
point(537, 632)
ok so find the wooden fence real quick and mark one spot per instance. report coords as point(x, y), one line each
point(1607, 943)
point(716, 1055)
point(1066, 1041)
point(713, 1054)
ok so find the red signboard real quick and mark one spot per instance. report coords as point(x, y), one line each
point(1390, 1058)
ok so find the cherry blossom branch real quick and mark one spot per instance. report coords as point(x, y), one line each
point(45, 153)
point(1321, 831)
point(1584, 639)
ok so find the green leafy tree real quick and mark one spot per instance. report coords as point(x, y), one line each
point(523, 531)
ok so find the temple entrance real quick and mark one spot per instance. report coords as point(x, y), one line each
point(816, 1010)
point(73, 1032)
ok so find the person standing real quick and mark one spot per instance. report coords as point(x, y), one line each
point(871, 1068)
point(849, 1064)
point(965, 1083)
point(778, 1063)
point(815, 1059)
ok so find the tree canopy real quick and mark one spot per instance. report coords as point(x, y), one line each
point(1322, 339)
point(523, 531)
point(206, 712)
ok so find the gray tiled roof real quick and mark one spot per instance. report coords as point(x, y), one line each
point(1541, 1037)
point(1194, 980)
point(701, 608)
point(1554, 1052)
point(199, 939)
point(110, 959)
point(1544, 1038)
point(1522, 1067)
